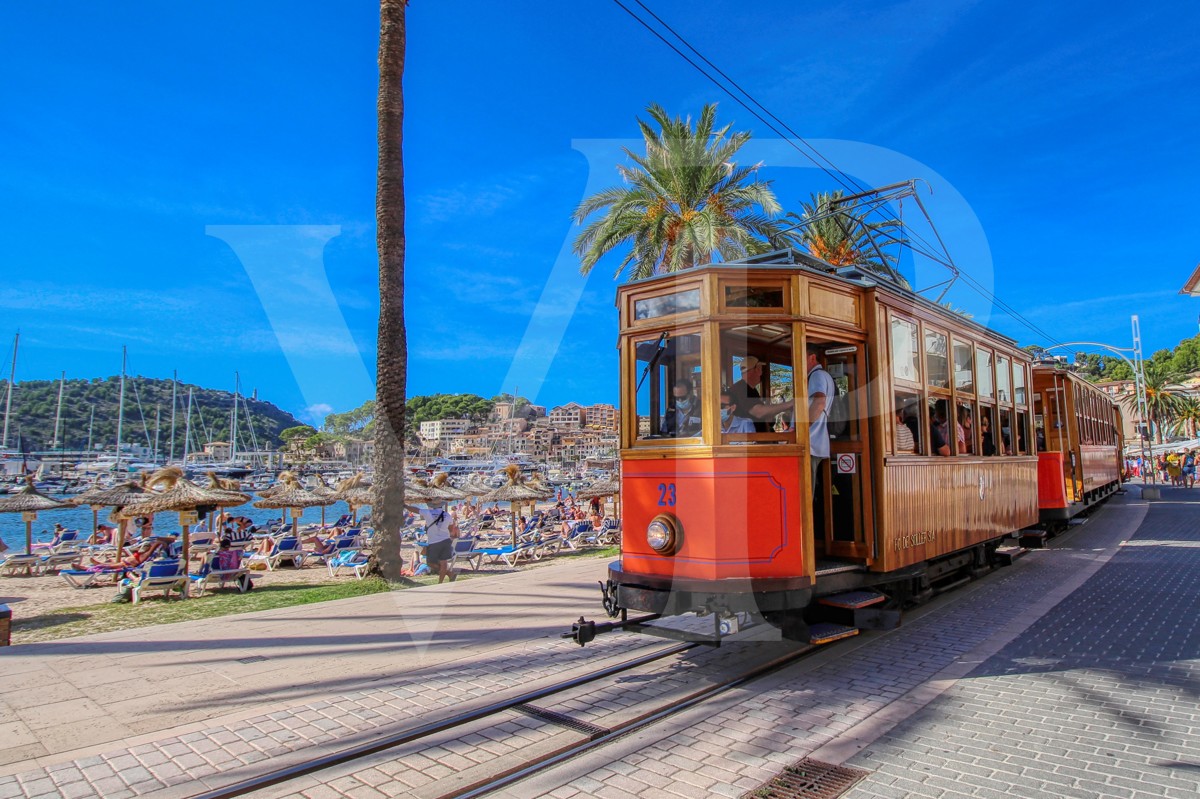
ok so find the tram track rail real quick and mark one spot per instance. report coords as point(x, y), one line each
point(567, 734)
point(361, 751)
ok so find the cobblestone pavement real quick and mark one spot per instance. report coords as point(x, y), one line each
point(1020, 685)
point(1072, 673)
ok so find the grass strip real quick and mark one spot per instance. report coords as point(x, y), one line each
point(70, 622)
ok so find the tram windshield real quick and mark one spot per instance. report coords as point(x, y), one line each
point(669, 375)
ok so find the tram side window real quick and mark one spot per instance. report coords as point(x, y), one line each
point(937, 367)
point(1019, 383)
point(964, 367)
point(667, 375)
point(941, 432)
point(966, 427)
point(906, 424)
point(987, 431)
point(983, 373)
point(1022, 428)
point(905, 352)
point(1006, 432)
point(1003, 379)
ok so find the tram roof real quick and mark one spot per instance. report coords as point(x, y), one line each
point(792, 260)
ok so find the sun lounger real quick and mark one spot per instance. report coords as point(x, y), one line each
point(285, 550)
point(466, 553)
point(20, 564)
point(160, 575)
point(67, 539)
point(57, 560)
point(89, 578)
point(510, 555)
point(207, 578)
point(355, 560)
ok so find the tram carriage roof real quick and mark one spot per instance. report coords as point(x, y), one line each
point(791, 260)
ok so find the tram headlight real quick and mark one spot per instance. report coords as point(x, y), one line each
point(664, 534)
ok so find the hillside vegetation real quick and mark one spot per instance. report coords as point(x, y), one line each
point(34, 403)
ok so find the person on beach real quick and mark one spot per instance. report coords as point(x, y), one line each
point(440, 528)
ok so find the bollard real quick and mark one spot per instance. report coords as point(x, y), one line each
point(5, 624)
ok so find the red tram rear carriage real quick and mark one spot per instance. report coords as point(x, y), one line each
point(722, 523)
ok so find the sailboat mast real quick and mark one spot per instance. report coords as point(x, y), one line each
point(187, 429)
point(233, 420)
point(157, 425)
point(91, 421)
point(120, 409)
point(58, 411)
point(171, 442)
point(12, 375)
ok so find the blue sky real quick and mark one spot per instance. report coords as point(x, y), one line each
point(198, 182)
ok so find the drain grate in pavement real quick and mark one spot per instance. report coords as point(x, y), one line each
point(252, 659)
point(591, 730)
point(808, 779)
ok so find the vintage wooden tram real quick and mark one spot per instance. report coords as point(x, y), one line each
point(1079, 443)
point(725, 523)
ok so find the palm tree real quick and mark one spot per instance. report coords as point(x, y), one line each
point(838, 237)
point(392, 359)
point(1162, 401)
point(1187, 417)
point(685, 202)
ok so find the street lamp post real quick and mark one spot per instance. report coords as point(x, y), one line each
point(1139, 380)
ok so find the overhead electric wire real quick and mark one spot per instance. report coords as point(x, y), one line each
point(836, 174)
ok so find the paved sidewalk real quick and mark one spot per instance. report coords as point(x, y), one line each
point(142, 711)
point(1073, 673)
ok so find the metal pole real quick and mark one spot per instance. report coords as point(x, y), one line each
point(171, 442)
point(120, 409)
point(1139, 374)
point(12, 376)
point(187, 429)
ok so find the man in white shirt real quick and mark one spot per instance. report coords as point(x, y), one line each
point(821, 391)
point(440, 528)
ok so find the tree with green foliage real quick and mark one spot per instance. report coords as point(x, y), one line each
point(299, 431)
point(838, 236)
point(1162, 399)
point(685, 202)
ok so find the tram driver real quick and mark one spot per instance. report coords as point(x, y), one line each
point(748, 400)
point(682, 418)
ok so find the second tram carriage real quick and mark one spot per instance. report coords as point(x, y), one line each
point(721, 523)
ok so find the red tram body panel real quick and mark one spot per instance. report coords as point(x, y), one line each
point(716, 500)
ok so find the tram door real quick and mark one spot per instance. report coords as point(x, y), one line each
point(842, 503)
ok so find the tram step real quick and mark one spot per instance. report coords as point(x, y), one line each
point(852, 599)
point(1033, 539)
point(824, 632)
point(1006, 555)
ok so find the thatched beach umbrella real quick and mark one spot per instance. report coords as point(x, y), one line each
point(609, 487)
point(118, 497)
point(356, 492)
point(28, 501)
point(323, 489)
point(516, 491)
point(280, 484)
point(226, 492)
point(296, 497)
point(183, 496)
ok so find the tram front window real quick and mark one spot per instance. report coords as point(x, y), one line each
point(668, 381)
point(756, 370)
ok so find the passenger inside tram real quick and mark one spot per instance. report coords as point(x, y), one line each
point(730, 421)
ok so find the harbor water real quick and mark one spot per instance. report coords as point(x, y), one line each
point(12, 528)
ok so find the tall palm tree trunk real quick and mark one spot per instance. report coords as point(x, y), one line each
point(392, 359)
